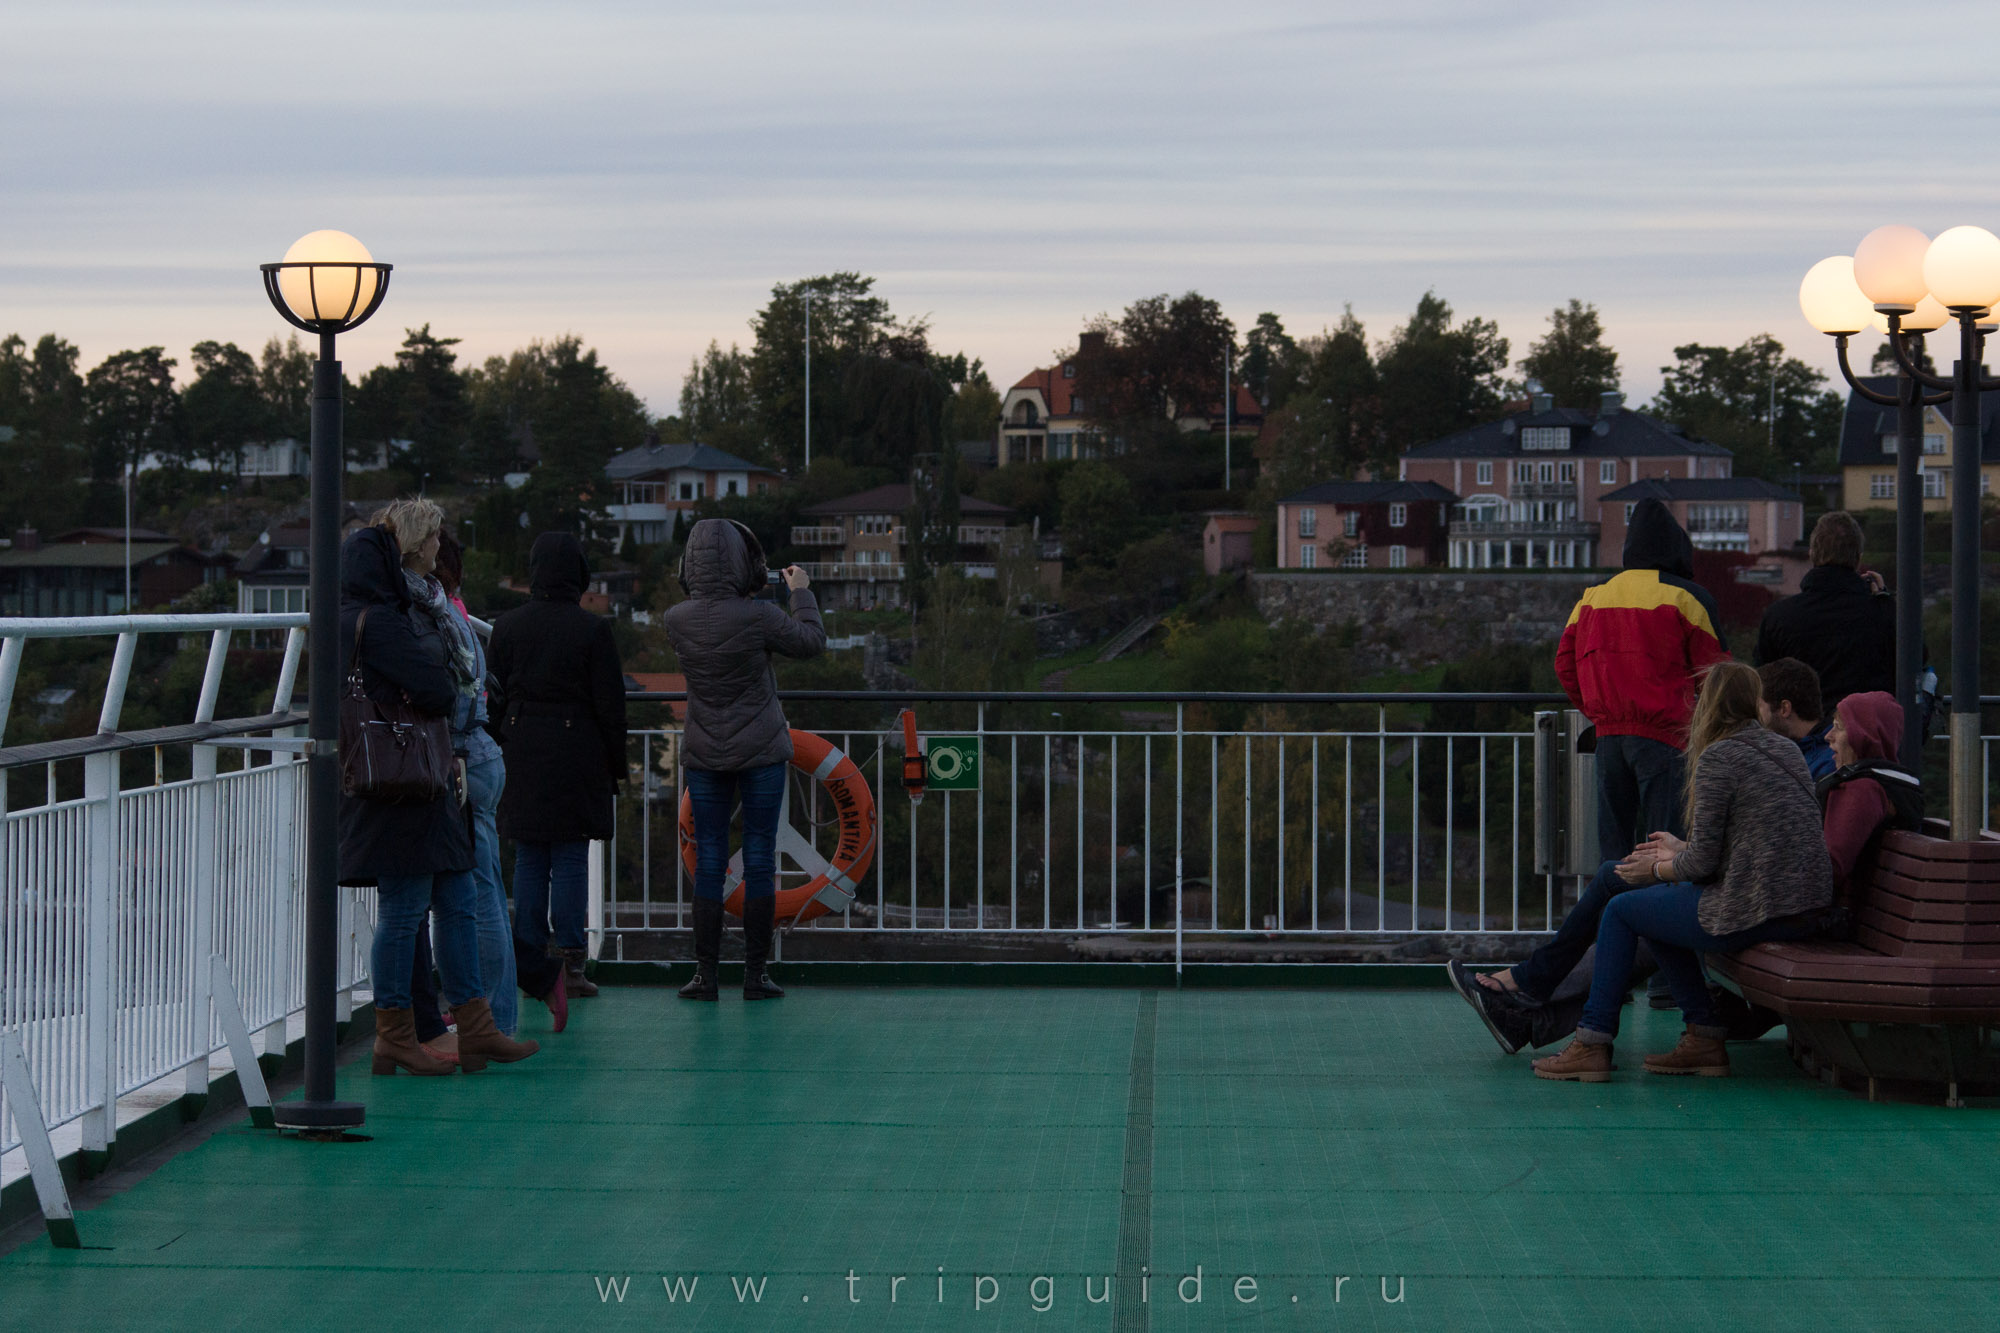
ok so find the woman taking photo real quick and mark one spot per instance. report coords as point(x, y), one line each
point(1754, 867)
point(418, 856)
point(738, 742)
point(562, 727)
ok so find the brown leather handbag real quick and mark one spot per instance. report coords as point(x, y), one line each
point(389, 752)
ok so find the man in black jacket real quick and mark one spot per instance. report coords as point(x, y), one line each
point(1837, 624)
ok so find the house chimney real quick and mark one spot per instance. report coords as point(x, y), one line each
point(1090, 344)
point(27, 539)
point(1543, 402)
point(1610, 403)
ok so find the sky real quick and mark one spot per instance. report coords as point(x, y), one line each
point(641, 175)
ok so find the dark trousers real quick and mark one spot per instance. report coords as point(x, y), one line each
point(1545, 968)
point(424, 1006)
point(1667, 917)
point(1639, 784)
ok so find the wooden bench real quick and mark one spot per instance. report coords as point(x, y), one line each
point(1916, 996)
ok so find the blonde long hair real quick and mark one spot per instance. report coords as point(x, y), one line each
point(1728, 699)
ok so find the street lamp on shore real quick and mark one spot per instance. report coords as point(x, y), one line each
point(1916, 285)
point(326, 284)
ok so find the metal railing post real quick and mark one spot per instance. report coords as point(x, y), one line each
point(206, 870)
point(100, 790)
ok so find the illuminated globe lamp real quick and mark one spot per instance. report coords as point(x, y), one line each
point(327, 283)
point(1915, 285)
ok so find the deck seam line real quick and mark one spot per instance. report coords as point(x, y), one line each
point(1135, 1209)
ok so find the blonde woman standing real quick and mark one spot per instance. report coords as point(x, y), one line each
point(1754, 867)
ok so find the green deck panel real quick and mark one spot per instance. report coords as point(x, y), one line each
point(1297, 1136)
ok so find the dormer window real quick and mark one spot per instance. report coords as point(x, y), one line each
point(1544, 437)
point(1069, 370)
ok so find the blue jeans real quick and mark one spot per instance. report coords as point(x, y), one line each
point(551, 886)
point(485, 779)
point(1665, 915)
point(1638, 792)
point(713, 796)
point(400, 902)
point(1545, 968)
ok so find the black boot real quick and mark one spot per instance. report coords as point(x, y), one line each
point(707, 948)
point(758, 915)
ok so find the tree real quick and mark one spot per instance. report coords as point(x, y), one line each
point(974, 413)
point(435, 413)
point(1771, 409)
point(1330, 427)
point(1570, 360)
point(224, 405)
point(131, 409)
point(848, 320)
point(581, 415)
point(1160, 360)
point(1272, 362)
point(285, 378)
point(1437, 377)
point(717, 407)
point(41, 400)
point(1097, 512)
point(1884, 360)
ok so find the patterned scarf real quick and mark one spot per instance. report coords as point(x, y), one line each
point(462, 657)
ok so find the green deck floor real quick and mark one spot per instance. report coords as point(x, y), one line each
point(1295, 1137)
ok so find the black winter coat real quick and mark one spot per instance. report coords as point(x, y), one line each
point(400, 657)
point(562, 704)
point(725, 639)
point(1838, 626)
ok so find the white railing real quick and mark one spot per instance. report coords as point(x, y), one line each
point(116, 890)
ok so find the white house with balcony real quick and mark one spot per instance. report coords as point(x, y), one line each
point(861, 542)
point(653, 484)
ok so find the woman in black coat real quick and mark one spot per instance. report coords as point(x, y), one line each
point(562, 725)
point(418, 857)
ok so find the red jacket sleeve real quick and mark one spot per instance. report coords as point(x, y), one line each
point(1854, 811)
point(1566, 660)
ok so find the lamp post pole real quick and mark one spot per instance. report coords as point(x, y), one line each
point(327, 284)
point(809, 382)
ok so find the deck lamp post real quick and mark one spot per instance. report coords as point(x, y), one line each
point(326, 284)
point(1918, 284)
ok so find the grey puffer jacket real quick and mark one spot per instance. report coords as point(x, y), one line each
point(725, 641)
point(1755, 846)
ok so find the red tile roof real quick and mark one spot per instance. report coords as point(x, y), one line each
point(1057, 391)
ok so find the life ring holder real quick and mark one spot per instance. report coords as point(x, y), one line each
point(833, 882)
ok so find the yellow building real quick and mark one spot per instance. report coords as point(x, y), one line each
point(1868, 450)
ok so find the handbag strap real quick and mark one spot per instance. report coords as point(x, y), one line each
point(354, 673)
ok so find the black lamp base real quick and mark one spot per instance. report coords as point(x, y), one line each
point(319, 1115)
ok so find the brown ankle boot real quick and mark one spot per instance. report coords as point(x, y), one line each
point(1700, 1052)
point(579, 986)
point(396, 1045)
point(479, 1041)
point(1581, 1061)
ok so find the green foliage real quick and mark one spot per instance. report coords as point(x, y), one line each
point(1437, 377)
point(1098, 512)
point(717, 405)
point(1273, 362)
point(966, 640)
point(224, 405)
point(974, 411)
point(1160, 360)
point(131, 409)
point(1728, 394)
point(1571, 361)
point(41, 399)
point(1031, 490)
point(284, 378)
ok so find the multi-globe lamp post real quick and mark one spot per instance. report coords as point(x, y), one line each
point(1917, 285)
point(326, 284)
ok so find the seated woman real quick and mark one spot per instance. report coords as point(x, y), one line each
point(1753, 868)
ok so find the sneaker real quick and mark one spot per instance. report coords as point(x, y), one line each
point(1509, 1026)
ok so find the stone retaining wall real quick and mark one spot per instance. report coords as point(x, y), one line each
point(1412, 619)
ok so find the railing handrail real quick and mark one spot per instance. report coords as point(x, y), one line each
point(104, 742)
point(1125, 697)
point(81, 627)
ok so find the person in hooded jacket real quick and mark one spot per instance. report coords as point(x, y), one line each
point(562, 728)
point(418, 857)
point(738, 742)
point(1630, 659)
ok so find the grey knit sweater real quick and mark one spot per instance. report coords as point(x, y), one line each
point(1756, 847)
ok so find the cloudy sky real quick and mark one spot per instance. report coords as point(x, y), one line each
point(641, 174)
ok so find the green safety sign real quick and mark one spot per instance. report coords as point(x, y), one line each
point(954, 763)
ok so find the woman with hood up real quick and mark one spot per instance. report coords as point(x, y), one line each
point(418, 857)
point(562, 726)
point(738, 742)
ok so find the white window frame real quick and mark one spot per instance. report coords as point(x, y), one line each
point(1485, 474)
point(1308, 522)
point(1308, 556)
point(1399, 515)
point(1607, 472)
point(1399, 557)
point(1350, 523)
point(1356, 557)
point(1881, 485)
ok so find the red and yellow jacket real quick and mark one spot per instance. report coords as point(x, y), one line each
point(1633, 651)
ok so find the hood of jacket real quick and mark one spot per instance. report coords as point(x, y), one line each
point(1874, 723)
point(1653, 540)
point(719, 563)
point(557, 571)
point(371, 569)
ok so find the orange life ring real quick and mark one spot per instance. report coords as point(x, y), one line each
point(834, 882)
